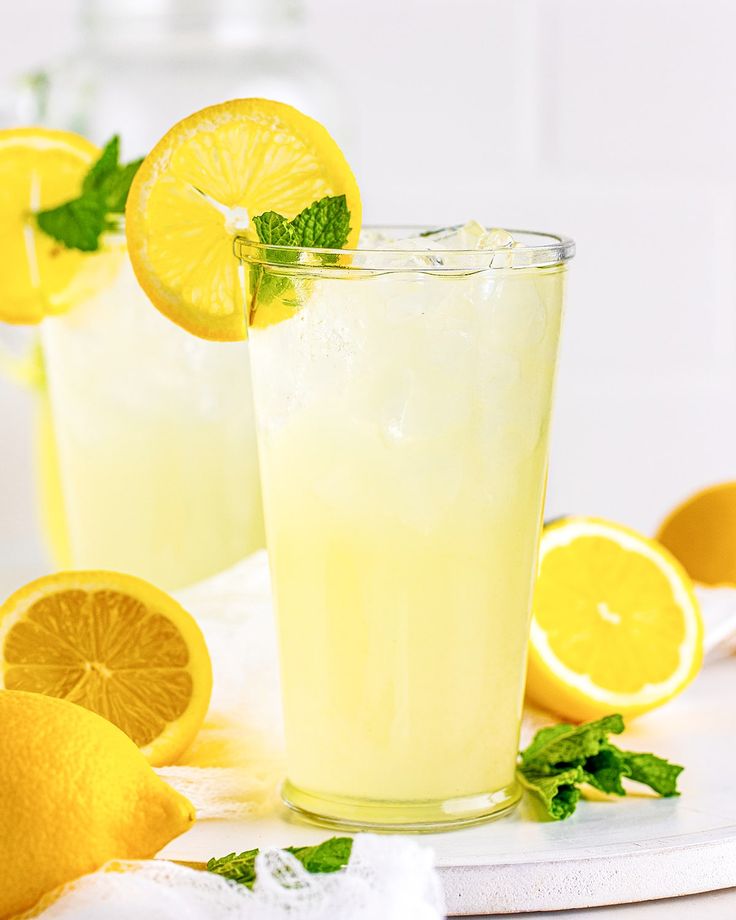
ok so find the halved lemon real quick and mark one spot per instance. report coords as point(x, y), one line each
point(701, 533)
point(116, 645)
point(41, 168)
point(202, 184)
point(616, 626)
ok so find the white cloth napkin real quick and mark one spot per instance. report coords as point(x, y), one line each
point(387, 879)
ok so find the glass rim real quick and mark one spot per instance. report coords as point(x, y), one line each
point(540, 249)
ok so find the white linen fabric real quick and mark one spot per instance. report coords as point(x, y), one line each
point(387, 879)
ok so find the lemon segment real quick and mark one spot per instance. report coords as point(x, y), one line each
point(41, 168)
point(202, 184)
point(115, 645)
point(74, 793)
point(616, 626)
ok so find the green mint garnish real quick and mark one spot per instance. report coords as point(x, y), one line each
point(325, 224)
point(80, 223)
point(563, 757)
point(330, 856)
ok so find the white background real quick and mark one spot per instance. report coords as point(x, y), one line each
point(611, 121)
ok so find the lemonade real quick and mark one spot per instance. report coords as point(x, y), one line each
point(402, 409)
point(155, 439)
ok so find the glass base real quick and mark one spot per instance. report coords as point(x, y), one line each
point(426, 817)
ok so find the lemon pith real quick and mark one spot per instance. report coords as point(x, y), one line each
point(74, 793)
point(203, 183)
point(41, 168)
point(116, 645)
point(616, 625)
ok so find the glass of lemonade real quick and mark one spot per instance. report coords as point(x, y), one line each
point(154, 437)
point(403, 396)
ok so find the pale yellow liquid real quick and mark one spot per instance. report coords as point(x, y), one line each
point(403, 428)
point(155, 440)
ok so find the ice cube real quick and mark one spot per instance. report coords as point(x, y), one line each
point(496, 238)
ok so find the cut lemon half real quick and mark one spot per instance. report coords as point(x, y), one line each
point(202, 184)
point(701, 533)
point(41, 168)
point(616, 626)
point(116, 645)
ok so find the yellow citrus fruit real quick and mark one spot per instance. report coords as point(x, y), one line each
point(74, 792)
point(701, 533)
point(41, 168)
point(202, 184)
point(116, 645)
point(616, 626)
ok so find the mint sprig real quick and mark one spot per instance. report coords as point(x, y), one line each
point(329, 856)
point(81, 222)
point(324, 224)
point(562, 758)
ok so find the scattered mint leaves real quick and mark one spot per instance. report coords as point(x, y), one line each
point(80, 223)
point(329, 856)
point(325, 224)
point(563, 757)
point(558, 792)
point(655, 772)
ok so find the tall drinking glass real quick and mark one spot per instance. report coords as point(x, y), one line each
point(156, 463)
point(402, 409)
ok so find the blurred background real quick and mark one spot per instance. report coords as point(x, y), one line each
point(609, 122)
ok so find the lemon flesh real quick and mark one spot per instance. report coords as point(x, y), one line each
point(616, 626)
point(116, 645)
point(203, 183)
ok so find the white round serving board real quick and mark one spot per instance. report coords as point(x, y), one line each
point(634, 849)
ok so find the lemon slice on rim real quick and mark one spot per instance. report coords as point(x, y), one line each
point(41, 168)
point(203, 183)
point(114, 644)
point(616, 626)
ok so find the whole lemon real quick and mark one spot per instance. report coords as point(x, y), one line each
point(75, 791)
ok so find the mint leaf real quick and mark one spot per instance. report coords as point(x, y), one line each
point(605, 770)
point(558, 794)
point(116, 187)
point(80, 222)
point(238, 867)
point(569, 744)
point(329, 856)
point(103, 168)
point(275, 229)
point(656, 772)
point(562, 757)
point(324, 224)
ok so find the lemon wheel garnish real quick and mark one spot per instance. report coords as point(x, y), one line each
point(202, 184)
point(41, 168)
point(116, 645)
point(701, 533)
point(616, 626)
